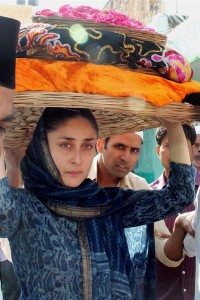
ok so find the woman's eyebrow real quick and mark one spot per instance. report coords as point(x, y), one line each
point(73, 139)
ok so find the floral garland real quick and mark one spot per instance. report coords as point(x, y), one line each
point(92, 14)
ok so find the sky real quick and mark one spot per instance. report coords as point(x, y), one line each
point(57, 3)
point(190, 7)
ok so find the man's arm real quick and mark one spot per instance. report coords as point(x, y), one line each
point(178, 147)
point(173, 246)
point(13, 158)
point(189, 241)
point(162, 234)
point(2, 163)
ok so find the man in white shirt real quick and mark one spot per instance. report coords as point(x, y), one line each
point(117, 157)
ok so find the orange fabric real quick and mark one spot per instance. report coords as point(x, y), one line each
point(81, 77)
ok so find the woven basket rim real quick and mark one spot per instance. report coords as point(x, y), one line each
point(153, 36)
point(115, 115)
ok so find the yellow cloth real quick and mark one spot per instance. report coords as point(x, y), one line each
point(81, 77)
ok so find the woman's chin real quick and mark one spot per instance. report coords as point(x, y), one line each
point(72, 183)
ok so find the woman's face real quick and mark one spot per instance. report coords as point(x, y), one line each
point(72, 147)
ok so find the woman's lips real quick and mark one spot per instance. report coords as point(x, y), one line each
point(74, 172)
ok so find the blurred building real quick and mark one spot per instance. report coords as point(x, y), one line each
point(143, 10)
point(30, 2)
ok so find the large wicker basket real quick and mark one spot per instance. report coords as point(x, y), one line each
point(133, 33)
point(114, 114)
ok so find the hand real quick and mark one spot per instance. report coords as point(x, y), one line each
point(162, 235)
point(2, 162)
point(184, 221)
point(2, 136)
point(166, 122)
point(13, 157)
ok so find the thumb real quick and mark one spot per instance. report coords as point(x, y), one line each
point(162, 235)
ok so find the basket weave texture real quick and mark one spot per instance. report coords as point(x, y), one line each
point(131, 32)
point(115, 115)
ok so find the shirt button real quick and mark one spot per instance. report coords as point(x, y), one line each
point(183, 272)
point(184, 290)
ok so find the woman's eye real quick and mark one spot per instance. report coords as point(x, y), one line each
point(65, 145)
point(88, 146)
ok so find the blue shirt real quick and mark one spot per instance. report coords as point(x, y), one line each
point(46, 248)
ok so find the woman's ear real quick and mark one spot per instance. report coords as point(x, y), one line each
point(158, 150)
point(100, 145)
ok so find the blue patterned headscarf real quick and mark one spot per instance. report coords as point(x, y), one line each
point(42, 178)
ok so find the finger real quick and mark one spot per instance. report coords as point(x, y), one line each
point(192, 232)
point(2, 135)
point(2, 131)
point(161, 235)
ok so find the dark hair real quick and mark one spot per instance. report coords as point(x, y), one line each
point(106, 142)
point(56, 116)
point(188, 129)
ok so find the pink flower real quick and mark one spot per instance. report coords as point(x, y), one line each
point(88, 13)
point(46, 12)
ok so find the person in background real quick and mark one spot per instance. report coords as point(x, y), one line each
point(196, 157)
point(189, 229)
point(9, 283)
point(175, 282)
point(9, 29)
point(118, 155)
point(66, 233)
point(192, 240)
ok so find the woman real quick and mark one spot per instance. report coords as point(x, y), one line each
point(66, 233)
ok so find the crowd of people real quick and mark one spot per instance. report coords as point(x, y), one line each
point(81, 224)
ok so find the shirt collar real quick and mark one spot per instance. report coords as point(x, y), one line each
point(160, 183)
point(93, 171)
point(125, 183)
point(197, 177)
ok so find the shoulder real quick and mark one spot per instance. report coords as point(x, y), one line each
point(136, 182)
point(159, 183)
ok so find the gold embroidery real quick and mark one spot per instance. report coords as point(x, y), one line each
point(81, 212)
point(86, 262)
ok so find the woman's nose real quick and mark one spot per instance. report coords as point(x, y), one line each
point(76, 157)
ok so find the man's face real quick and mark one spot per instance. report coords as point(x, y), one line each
point(6, 106)
point(121, 153)
point(163, 152)
point(196, 152)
